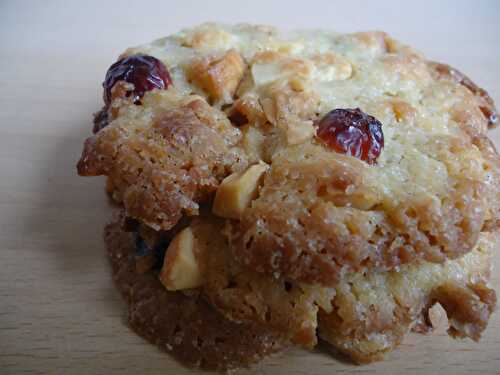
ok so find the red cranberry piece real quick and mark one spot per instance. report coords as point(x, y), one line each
point(352, 132)
point(144, 72)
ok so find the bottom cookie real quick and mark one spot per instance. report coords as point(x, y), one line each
point(234, 317)
point(181, 324)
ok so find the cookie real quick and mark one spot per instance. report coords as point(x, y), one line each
point(163, 157)
point(280, 187)
point(373, 312)
point(364, 317)
point(243, 295)
point(377, 157)
point(238, 293)
point(184, 325)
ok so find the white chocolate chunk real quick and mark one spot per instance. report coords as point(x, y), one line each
point(438, 319)
point(237, 191)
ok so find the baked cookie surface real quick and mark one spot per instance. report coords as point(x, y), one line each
point(237, 96)
point(236, 316)
point(295, 185)
point(185, 326)
point(373, 312)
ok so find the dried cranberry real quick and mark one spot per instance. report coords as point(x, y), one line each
point(352, 132)
point(144, 72)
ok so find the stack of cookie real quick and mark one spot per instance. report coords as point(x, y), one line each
point(276, 189)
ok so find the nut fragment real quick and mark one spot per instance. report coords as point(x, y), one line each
point(268, 67)
point(438, 319)
point(237, 191)
point(180, 267)
point(218, 76)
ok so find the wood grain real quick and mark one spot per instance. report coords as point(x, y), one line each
point(59, 312)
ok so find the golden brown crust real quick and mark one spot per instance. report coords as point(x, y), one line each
point(359, 254)
point(382, 242)
point(364, 316)
point(242, 295)
point(319, 215)
point(162, 164)
point(468, 308)
point(483, 99)
point(183, 325)
point(433, 189)
point(218, 76)
point(373, 312)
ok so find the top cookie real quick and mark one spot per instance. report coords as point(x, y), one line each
point(338, 152)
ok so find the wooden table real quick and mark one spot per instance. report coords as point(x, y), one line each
point(59, 311)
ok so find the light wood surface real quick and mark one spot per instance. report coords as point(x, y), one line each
point(59, 311)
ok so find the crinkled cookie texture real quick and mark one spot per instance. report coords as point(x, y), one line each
point(244, 94)
point(373, 312)
point(294, 185)
point(237, 316)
